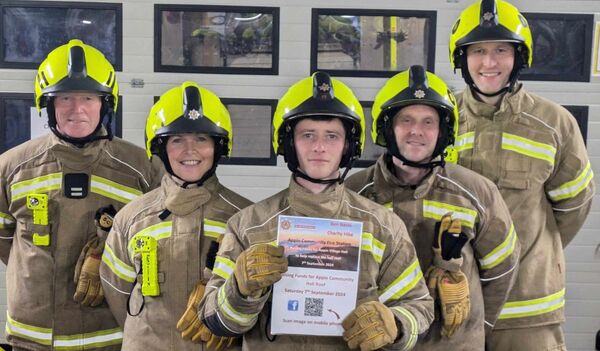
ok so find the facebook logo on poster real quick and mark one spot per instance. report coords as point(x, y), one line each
point(292, 305)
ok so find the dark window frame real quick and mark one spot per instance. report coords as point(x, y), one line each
point(588, 21)
point(316, 12)
point(117, 7)
point(158, 67)
point(581, 114)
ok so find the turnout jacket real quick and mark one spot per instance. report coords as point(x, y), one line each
point(194, 220)
point(490, 257)
point(389, 269)
point(40, 257)
point(533, 150)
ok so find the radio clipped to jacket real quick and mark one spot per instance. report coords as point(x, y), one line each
point(147, 246)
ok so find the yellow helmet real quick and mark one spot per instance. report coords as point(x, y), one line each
point(318, 96)
point(76, 66)
point(188, 108)
point(415, 86)
point(491, 20)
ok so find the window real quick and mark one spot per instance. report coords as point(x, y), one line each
point(562, 47)
point(31, 29)
point(371, 43)
point(216, 39)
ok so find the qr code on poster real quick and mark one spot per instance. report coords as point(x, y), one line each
point(313, 307)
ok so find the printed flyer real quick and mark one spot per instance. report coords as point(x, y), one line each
point(319, 289)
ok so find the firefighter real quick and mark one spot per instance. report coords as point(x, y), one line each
point(531, 148)
point(59, 193)
point(163, 245)
point(318, 128)
point(457, 220)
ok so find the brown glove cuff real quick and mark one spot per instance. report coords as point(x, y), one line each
point(452, 265)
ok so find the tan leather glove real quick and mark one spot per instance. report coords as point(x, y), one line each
point(371, 326)
point(88, 290)
point(192, 328)
point(259, 267)
point(446, 283)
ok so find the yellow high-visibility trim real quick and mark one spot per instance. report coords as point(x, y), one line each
point(528, 308)
point(403, 284)
point(574, 187)
point(214, 229)
point(6, 221)
point(39, 335)
point(435, 210)
point(464, 141)
point(240, 318)
point(86, 341)
point(528, 147)
point(413, 328)
point(117, 266)
point(113, 190)
point(372, 245)
point(501, 252)
point(41, 184)
point(224, 267)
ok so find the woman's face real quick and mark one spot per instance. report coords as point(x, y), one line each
point(190, 155)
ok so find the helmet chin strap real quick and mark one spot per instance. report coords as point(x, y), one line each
point(299, 174)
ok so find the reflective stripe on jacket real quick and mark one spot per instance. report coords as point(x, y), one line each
point(197, 218)
point(389, 269)
point(41, 257)
point(533, 150)
point(490, 257)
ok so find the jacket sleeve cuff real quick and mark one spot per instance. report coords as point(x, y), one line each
point(408, 329)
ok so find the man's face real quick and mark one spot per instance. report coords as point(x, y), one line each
point(490, 64)
point(77, 114)
point(190, 155)
point(416, 128)
point(319, 147)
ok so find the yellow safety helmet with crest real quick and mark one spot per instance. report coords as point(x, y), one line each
point(77, 67)
point(416, 86)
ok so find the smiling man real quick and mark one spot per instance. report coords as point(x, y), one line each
point(532, 149)
point(58, 194)
point(460, 226)
point(318, 128)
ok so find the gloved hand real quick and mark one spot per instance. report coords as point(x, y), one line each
point(192, 328)
point(259, 267)
point(371, 326)
point(444, 279)
point(88, 290)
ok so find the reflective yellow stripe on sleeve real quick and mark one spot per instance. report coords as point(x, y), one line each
point(6, 220)
point(403, 284)
point(88, 341)
point(435, 210)
point(36, 185)
point(372, 245)
point(42, 336)
point(223, 267)
point(240, 318)
point(528, 308)
point(118, 267)
point(528, 147)
point(389, 205)
point(501, 252)
point(574, 187)
point(113, 190)
point(213, 229)
point(413, 328)
point(158, 231)
point(464, 141)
